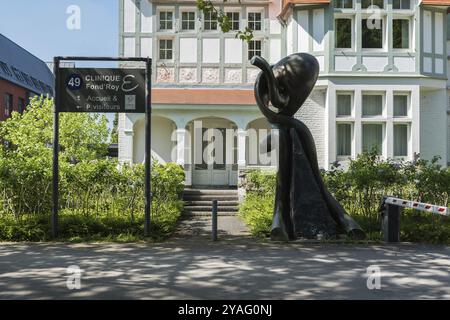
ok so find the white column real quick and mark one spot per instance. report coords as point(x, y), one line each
point(126, 139)
point(414, 113)
point(330, 126)
point(242, 141)
point(127, 145)
point(388, 147)
point(358, 124)
point(181, 146)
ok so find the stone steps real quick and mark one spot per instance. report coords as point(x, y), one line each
point(198, 202)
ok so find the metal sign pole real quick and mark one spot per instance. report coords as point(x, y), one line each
point(55, 193)
point(74, 83)
point(148, 150)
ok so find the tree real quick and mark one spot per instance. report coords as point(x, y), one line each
point(26, 152)
point(206, 6)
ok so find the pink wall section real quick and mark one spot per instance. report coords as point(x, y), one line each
point(274, 9)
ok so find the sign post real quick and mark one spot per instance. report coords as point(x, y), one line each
point(101, 90)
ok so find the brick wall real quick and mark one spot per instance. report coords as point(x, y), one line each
point(312, 113)
point(17, 92)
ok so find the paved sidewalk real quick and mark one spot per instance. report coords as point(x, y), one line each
point(195, 228)
point(238, 269)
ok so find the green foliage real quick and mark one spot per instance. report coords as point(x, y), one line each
point(114, 131)
point(257, 208)
point(360, 190)
point(206, 6)
point(98, 198)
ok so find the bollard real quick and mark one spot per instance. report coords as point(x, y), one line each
point(390, 222)
point(214, 220)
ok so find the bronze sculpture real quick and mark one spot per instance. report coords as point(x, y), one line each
point(303, 205)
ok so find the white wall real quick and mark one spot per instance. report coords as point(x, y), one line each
point(162, 146)
point(129, 21)
point(433, 124)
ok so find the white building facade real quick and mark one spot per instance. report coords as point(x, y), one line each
point(383, 79)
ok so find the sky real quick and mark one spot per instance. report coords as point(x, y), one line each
point(40, 26)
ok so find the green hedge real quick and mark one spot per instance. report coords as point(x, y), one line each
point(360, 189)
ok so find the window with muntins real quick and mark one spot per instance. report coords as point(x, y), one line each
point(401, 4)
point(165, 49)
point(343, 4)
point(165, 20)
point(255, 21)
point(210, 21)
point(254, 48)
point(188, 20)
point(234, 18)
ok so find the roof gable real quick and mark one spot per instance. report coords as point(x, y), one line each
point(20, 67)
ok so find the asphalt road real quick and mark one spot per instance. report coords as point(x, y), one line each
point(232, 269)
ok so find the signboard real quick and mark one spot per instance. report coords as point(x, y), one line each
point(102, 90)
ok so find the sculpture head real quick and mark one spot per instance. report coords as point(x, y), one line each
point(286, 84)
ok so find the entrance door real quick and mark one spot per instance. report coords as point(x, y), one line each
point(213, 169)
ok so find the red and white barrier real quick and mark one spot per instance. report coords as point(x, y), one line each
point(418, 206)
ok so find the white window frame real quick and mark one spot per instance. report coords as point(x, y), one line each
point(159, 49)
point(235, 10)
point(352, 141)
point(408, 104)
point(382, 116)
point(408, 138)
point(188, 10)
point(384, 47)
point(383, 124)
point(353, 45)
point(255, 10)
point(385, 2)
point(410, 33)
point(352, 104)
point(411, 7)
point(262, 46)
point(210, 21)
point(163, 9)
point(340, 8)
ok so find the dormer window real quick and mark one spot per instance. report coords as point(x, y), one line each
point(401, 4)
point(165, 20)
point(372, 3)
point(343, 4)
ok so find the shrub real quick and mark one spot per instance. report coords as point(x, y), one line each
point(99, 199)
point(257, 208)
point(360, 190)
